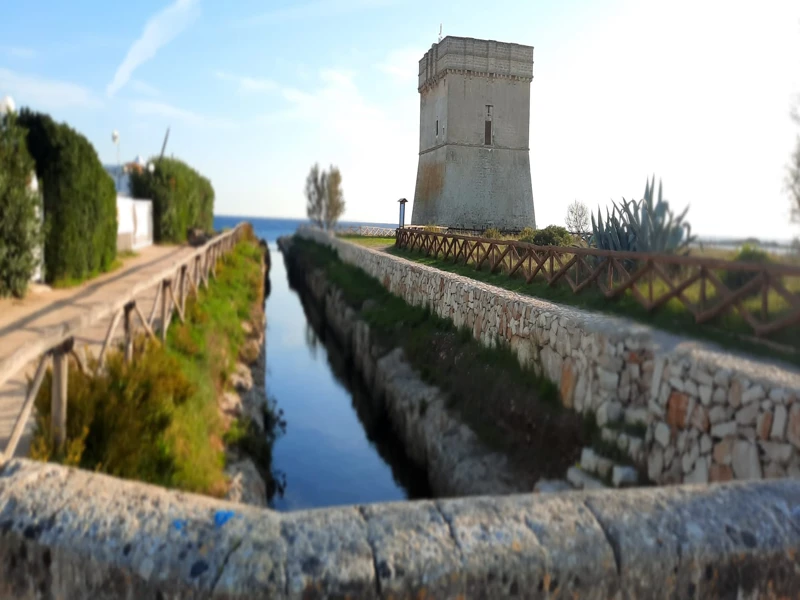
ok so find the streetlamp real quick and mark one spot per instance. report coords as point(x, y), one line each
point(151, 168)
point(7, 106)
point(115, 141)
point(402, 202)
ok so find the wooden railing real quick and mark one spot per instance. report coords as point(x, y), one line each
point(172, 286)
point(366, 231)
point(771, 291)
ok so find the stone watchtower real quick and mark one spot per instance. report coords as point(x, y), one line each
point(474, 167)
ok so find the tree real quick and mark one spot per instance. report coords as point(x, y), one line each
point(793, 179)
point(316, 184)
point(577, 220)
point(20, 232)
point(334, 204)
point(324, 196)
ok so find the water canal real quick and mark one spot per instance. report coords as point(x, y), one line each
point(334, 449)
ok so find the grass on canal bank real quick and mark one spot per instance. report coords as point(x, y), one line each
point(509, 407)
point(156, 419)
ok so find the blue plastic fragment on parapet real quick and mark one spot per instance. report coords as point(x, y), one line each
point(179, 524)
point(223, 516)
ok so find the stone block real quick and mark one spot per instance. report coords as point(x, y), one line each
point(706, 444)
point(764, 425)
point(705, 392)
point(624, 476)
point(700, 472)
point(793, 430)
point(588, 460)
point(745, 462)
point(720, 473)
point(735, 394)
point(604, 466)
point(703, 377)
point(723, 451)
point(721, 430)
point(717, 414)
point(637, 416)
point(676, 410)
point(568, 383)
point(722, 378)
point(776, 452)
point(582, 480)
point(777, 395)
point(779, 419)
point(608, 380)
point(552, 364)
point(609, 412)
point(658, 372)
point(683, 438)
point(669, 454)
point(690, 387)
point(747, 415)
point(622, 441)
point(655, 464)
point(753, 394)
point(719, 396)
point(662, 434)
point(700, 419)
point(774, 471)
point(551, 486)
point(635, 448)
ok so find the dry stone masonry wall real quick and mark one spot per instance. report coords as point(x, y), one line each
point(680, 410)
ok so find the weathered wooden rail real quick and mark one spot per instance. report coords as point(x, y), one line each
point(652, 279)
point(366, 231)
point(172, 285)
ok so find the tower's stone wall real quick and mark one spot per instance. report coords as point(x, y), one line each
point(462, 181)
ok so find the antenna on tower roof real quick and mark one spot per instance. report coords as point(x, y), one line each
point(440, 32)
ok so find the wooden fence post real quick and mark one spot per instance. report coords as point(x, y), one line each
point(182, 289)
point(129, 308)
point(164, 315)
point(58, 394)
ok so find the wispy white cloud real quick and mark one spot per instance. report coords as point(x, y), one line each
point(158, 31)
point(247, 84)
point(19, 52)
point(316, 9)
point(402, 65)
point(144, 88)
point(45, 94)
point(154, 108)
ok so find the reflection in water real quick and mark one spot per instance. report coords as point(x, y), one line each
point(337, 448)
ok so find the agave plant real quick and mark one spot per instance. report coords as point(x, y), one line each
point(644, 226)
point(616, 233)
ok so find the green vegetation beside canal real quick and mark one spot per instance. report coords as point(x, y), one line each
point(510, 408)
point(156, 419)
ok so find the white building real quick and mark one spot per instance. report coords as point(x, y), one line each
point(134, 216)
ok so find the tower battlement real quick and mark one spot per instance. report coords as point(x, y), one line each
point(477, 57)
point(474, 167)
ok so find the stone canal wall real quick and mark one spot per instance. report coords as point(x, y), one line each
point(681, 410)
point(67, 533)
point(457, 463)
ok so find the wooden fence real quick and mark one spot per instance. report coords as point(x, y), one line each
point(172, 288)
point(771, 291)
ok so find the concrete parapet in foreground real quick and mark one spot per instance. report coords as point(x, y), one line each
point(67, 533)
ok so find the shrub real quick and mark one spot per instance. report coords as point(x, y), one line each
point(552, 235)
point(118, 418)
point(19, 220)
point(182, 198)
point(80, 205)
point(747, 253)
point(526, 235)
point(492, 234)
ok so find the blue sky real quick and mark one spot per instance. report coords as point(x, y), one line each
point(698, 93)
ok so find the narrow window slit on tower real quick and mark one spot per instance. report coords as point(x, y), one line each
point(437, 126)
point(488, 134)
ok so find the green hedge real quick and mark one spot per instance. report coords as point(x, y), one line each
point(182, 198)
point(80, 204)
point(19, 223)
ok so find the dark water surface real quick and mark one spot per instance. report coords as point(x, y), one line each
point(336, 449)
